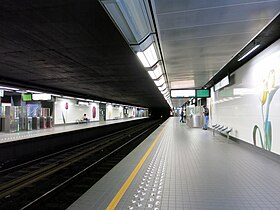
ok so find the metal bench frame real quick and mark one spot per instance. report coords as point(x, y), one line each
point(222, 129)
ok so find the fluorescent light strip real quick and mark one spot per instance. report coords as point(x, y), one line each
point(150, 54)
point(21, 91)
point(149, 57)
point(249, 52)
point(55, 95)
point(160, 81)
point(166, 96)
point(81, 99)
point(164, 92)
point(32, 91)
point(68, 97)
point(143, 59)
point(154, 74)
point(8, 88)
point(163, 87)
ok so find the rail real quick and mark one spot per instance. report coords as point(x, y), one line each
point(55, 172)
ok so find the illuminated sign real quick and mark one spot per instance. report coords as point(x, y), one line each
point(182, 93)
point(187, 93)
point(83, 103)
point(42, 97)
point(26, 97)
point(202, 93)
point(224, 82)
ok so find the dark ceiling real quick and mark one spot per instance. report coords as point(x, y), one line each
point(71, 47)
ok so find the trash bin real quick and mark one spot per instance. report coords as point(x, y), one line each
point(196, 121)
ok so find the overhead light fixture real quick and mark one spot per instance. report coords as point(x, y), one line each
point(135, 21)
point(160, 81)
point(167, 93)
point(83, 103)
point(56, 95)
point(164, 91)
point(155, 73)
point(33, 91)
point(248, 53)
point(81, 99)
point(149, 57)
point(8, 88)
point(163, 87)
point(21, 91)
point(143, 59)
point(68, 97)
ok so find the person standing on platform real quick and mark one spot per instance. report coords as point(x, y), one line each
point(206, 117)
point(182, 116)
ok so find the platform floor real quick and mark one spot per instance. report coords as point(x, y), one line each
point(9, 137)
point(188, 168)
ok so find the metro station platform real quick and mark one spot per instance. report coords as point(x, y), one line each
point(10, 137)
point(178, 167)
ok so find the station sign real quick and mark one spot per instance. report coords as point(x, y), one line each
point(182, 93)
point(224, 82)
point(202, 93)
point(26, 97)
point(41, 97)
point(190, 93)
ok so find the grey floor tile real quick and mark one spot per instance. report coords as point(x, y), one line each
point(198, 171)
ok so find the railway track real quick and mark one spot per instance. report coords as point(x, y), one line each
point(55, 181)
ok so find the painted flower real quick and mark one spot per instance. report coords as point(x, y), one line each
point(264, 92)
point(271, 80)
point(268, 91)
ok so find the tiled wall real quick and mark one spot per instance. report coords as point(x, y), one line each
point(239, 105)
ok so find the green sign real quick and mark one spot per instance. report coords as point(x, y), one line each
point(202, 93)
point(26, 97)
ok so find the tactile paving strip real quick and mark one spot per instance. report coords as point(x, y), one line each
point(148, 193)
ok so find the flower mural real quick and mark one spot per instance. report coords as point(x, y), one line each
point(269, 88)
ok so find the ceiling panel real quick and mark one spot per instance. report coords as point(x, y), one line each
point(213, 16)
point(167, 6)
point(218, 30)
point(199, 37)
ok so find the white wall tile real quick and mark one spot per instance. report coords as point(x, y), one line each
point(243, 112)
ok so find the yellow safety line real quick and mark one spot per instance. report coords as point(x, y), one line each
point(127, 183)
